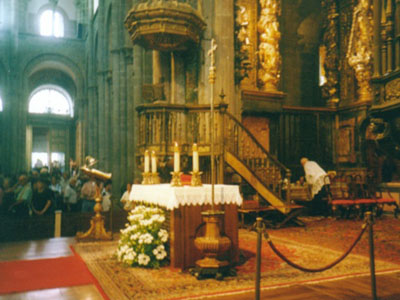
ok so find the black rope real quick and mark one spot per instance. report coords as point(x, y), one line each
point(296, 266)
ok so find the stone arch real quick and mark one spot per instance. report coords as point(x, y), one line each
point(57, 64)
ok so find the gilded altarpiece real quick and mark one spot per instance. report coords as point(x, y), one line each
point(246, 43)
point(329, 52)
point(392, 90)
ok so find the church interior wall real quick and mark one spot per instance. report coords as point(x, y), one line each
point(31, 61)
point(110, 97)
point(105, 73)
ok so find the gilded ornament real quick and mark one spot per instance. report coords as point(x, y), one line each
point(331, 58)
point(242, 44)
point(359, 52)
point(392, 90)
point(269, 57)
point(165, 25)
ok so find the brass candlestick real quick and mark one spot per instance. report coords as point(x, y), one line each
point(155, 178)
point(176, 179)
point(212, 244)
point(196, 178)
point(147, 178)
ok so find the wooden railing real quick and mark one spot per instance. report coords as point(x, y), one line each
point(240, 142)
point(163, 124)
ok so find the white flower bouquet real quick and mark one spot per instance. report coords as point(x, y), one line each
point(143, 241)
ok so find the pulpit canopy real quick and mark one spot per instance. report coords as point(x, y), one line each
point(164, 25)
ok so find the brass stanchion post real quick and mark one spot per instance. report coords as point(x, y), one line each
point(212, 244)
point(371, 254)
point(258, 257)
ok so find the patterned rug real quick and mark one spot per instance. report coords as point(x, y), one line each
point(122, 283)
point(338, 234)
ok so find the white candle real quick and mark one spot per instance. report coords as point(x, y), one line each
point(176, 158)
point(153, 162)
point(146, 161)
point(195, 158)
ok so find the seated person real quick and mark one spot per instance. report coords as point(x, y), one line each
point(23, 196)
point(88, 195)
point(128, 205)
point(71, 196)
point(8, 196)
point(106, 196)
point(43, 198)
point(56, 187)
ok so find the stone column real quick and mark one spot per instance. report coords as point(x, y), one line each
point(115, 113)
point(130, 129)
point(224, 35)
point(101, 119)
point(157, 70)
point(137, 83)
point(91, 121)
point(389, 32)
point(102, 90)
point(123, 116)
point(172, 82)
point(95, 106)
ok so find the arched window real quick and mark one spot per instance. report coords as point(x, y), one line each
point(51, 100)
point(51, 23)
point(95, 5)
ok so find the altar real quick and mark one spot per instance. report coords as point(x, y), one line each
point(184, 206)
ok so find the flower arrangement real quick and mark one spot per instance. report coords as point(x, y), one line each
point(142, 242)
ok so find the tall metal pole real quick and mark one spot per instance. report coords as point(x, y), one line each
point(371, 255)
point(211, 80)
point(258, 258)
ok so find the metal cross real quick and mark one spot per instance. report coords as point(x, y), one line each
point(211, 52)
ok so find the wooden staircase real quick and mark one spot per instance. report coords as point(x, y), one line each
point(268, 177)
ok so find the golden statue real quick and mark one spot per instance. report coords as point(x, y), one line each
point(359, 52)
point(268, 49)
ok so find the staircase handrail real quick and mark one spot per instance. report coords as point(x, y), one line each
point(253, 138)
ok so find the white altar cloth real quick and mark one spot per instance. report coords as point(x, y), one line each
point(172, 197)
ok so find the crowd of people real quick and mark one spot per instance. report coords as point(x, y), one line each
point(42, 191)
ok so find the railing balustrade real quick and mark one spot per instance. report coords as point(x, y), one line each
point(163, 124)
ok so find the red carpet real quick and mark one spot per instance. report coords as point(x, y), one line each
point(28, 275)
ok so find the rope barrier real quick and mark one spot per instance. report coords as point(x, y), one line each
point(309, 270)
